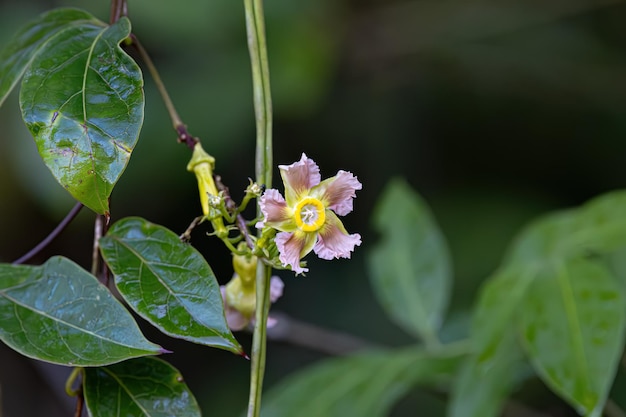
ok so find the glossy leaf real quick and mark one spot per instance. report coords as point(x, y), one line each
point(59, 313)
point(167, 282)
point(17, 56)
point(366, 384)
point(573, 329)
point(82, 100)
point(144, 387)
point(410, 268)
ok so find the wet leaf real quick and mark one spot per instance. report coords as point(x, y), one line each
point(17, 56)
point(81, 98)
point(146, 387)
point(59, 313)
point(167, 282)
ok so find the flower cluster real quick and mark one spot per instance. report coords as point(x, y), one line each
point(306, 217)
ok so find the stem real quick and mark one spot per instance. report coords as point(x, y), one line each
point(177, 123)
point(56, 232)
point(255, 28)
point(119, 8)
point(257, 46)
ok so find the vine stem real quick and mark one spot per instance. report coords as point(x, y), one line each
point(57, 231)
point(257, 45)
point(177, 123)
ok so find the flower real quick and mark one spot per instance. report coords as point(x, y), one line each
point(202, 165)
point(306, 217)
point(239, 295)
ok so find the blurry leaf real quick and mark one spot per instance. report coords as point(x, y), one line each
point(366, 384)
point(486, 379)
point(573, 329)
point(410, 268)
point(59, 313)
point(167, 282)
point(146, 387)
point(596, 227)
point(82, 100)
point(19, 53)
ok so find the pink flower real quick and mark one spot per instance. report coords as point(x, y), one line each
point(307, 216)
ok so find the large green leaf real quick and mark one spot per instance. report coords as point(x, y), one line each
point(488, 376)
point(17, 56)
point(167, 282)
point(60, 313)
point(596, 227)
point(486, 379)
point(410, 269)
point(146, 387)
point(573, 329)
point(81, 98)
point(366, 384)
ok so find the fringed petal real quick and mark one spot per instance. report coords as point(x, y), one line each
point(275, 212)
point(334, 241)
point(338, 192)
point(294, 246)
point(298, 178)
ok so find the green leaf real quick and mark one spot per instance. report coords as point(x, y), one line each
point(167, 282)
point(573, 330)
point(82, 100)
point(146, 387)
point(17, 56)
point(598, 226)
point(410, 268)
point(59, 313)
point(366, 384)
point(488, 376)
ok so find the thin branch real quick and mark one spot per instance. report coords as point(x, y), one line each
point(57, 230)
point(319, 339)
point(177, 123)
point(119, 8)
point(80, 401)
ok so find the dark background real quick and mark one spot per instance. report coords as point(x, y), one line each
point(494, 110)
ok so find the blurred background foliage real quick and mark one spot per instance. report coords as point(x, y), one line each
point(494, 111)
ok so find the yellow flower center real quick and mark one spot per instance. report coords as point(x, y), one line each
point(310, 214)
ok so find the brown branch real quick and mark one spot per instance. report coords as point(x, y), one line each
point(80, 401)
point(57, 230)
point(119, 8)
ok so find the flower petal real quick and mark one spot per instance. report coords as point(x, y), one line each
point(276, 288)
point(298, 178)
point(275, 212)
point(337, 192)
point(334, 241)
point(294, 246)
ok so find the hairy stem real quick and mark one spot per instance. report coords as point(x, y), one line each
point(48, 239)
point(255, 28)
